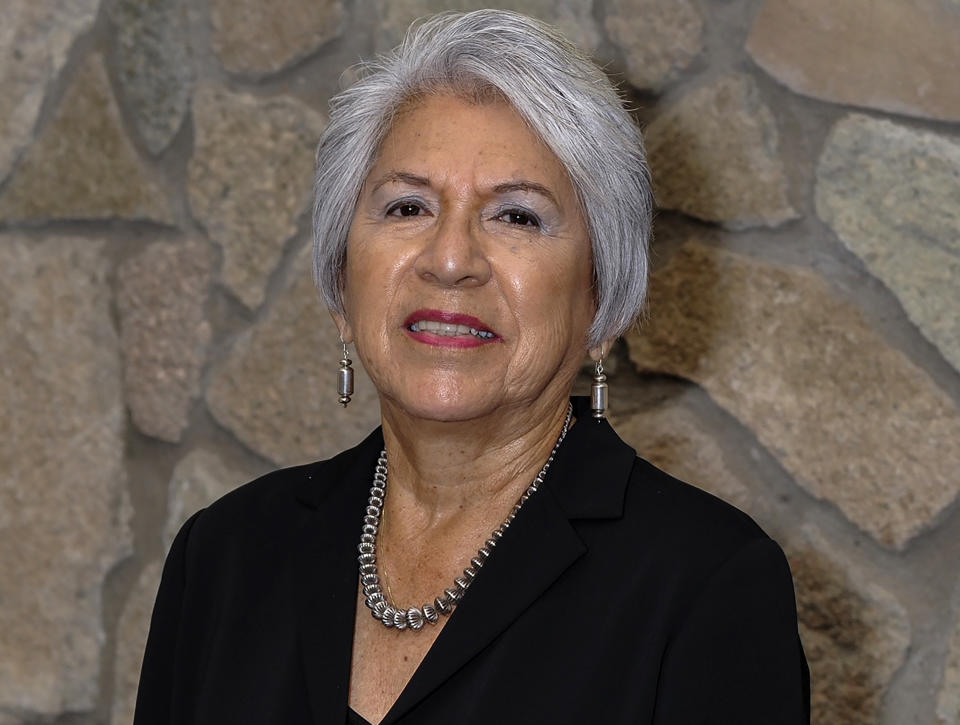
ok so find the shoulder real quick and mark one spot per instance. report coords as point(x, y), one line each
point(269, 507)
point(690, 540)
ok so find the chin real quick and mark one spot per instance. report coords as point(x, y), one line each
point(444, 408)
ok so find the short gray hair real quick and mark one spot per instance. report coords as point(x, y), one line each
point(566, 100)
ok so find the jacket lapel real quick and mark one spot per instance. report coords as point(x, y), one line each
point(587, 480)
point(325, 577)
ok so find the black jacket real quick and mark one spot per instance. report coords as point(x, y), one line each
point(618, 595)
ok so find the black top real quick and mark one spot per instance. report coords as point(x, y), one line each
point(355, 719)
point(618, 595)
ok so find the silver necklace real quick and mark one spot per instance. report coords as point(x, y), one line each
point(415, 617)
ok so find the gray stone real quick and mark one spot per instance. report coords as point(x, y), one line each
point(897, 55)
point(714, 157)
point(948, 699)
point(161, 294)
point(892, 195)
point(63, 505)
point(199, 479)
point(83, 166)
point(35, 37)
point(250, 180)
point(132, 631)
point(154, 66)
point(855, 634)
point(256, 38)
point(852, 419)
point(573, 18)
point(658, 38)
point(674, 439)
point(277, 389)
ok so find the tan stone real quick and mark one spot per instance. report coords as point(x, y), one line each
point(277, 389)
point(161, 294)
point(199, 479)
point(948, 699)
point(132, 631)
point(714, 157)
point(257, 38)
point(154, 66)
point(250, 180)
point(35, 37)
point(897, 55)
point(83, 166)
point(658, 38)
point(892, 195)
point(65, 520)
point(573, 18)
point(852, 419)
point(674, 439)
point(855, 633)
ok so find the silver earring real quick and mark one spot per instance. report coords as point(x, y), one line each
point(345, 377)
point(598, 392)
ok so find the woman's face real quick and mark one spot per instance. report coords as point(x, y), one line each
point(467, 285)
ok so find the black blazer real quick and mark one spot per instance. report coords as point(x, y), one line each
point(618, 595)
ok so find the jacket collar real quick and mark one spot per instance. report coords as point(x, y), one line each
point(587, 480)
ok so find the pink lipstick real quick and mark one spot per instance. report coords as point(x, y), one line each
point(448, 329)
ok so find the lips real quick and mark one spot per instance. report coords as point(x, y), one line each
point(448, 329)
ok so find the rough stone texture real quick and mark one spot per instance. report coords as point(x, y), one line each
point(899, 55)
point(132, 630)
point(83, 166)
point(256, 38)
point(35, 37)
point(948, 700)
point(672, 438)
point(161, 295)
point(574, 18)
point(658, 38)
point(800, 368)
point(154, 66)
point(277, 389)
point(892, 195)
point(855, 633)
point(64, 515)
point(250, 179)
point(199, 479)
point(714, 156)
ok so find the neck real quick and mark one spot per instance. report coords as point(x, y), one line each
point(440, 470)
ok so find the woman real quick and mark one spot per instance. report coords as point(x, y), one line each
point(482, 215)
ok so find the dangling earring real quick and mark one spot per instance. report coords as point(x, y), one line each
point(598, 392)
point(345, 377)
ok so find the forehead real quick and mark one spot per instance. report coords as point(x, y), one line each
point(483, 139)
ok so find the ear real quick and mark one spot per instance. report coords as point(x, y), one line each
point(599, 352)
point(343, 327)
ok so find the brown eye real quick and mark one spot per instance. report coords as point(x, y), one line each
point(520, 218)
point(405, 208)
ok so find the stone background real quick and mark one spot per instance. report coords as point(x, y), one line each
point(160, 341)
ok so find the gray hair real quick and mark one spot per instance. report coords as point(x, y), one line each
point(564, 98)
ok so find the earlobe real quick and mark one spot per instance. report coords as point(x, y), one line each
point(600, 352)
point(343, 327)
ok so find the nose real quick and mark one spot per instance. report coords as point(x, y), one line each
point(454, 255)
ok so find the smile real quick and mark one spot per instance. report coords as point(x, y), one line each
point(448, 329)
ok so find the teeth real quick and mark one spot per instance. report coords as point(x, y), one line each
point(449, 329)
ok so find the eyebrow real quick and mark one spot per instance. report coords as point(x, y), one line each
point(505, 188)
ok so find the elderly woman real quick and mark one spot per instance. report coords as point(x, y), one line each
point(482, 216)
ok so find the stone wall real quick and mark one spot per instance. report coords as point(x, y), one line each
point(160, 341)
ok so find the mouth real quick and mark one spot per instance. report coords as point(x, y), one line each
point(448, 329)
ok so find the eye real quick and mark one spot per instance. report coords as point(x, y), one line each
point(519, 217)
point(405, 208)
